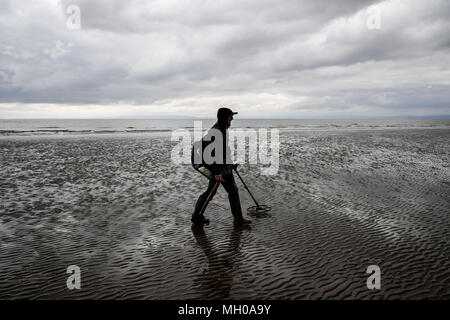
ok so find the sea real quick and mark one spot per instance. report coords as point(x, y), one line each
point(27, 127)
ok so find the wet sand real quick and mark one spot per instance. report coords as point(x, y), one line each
point(119, 209)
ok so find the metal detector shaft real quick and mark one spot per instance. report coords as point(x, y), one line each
point(209, 197)
point(245, 186)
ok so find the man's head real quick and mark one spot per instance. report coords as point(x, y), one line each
point(225, 116)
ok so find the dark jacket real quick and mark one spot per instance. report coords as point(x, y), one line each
point(226, 166)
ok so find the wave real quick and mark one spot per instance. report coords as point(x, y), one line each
point(69, 131)
point(83, 128)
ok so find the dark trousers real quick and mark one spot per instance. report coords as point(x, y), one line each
point(233, 195)
point(229, 184)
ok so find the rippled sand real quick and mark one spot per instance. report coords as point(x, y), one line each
point(116, 207)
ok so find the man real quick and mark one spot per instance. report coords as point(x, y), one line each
point(219, 169)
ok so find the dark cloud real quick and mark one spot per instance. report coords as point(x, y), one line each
point(298, 58)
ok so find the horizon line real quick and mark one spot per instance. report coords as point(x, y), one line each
point(431, 117)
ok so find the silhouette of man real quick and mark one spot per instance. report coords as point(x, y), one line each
point(218, 168)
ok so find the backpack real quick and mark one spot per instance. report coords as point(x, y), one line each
point(197, 154)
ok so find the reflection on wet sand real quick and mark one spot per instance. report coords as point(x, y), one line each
point(216, 278)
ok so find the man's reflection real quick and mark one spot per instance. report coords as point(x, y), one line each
point(216, 278)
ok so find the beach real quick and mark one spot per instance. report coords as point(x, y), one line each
point(117, 206)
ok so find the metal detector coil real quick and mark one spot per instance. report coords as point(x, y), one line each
point(260, 210)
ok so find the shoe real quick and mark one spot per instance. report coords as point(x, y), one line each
point(199, 220)
point(236, 210)
point(241, 221)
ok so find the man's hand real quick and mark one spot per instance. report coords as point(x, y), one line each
point(219, 178)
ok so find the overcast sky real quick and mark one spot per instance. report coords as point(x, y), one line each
point(284, 59)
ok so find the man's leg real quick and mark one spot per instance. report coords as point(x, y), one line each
point(235, 202)
point(196, 217)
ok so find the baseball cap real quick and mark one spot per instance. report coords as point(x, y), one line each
point(224, 112)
